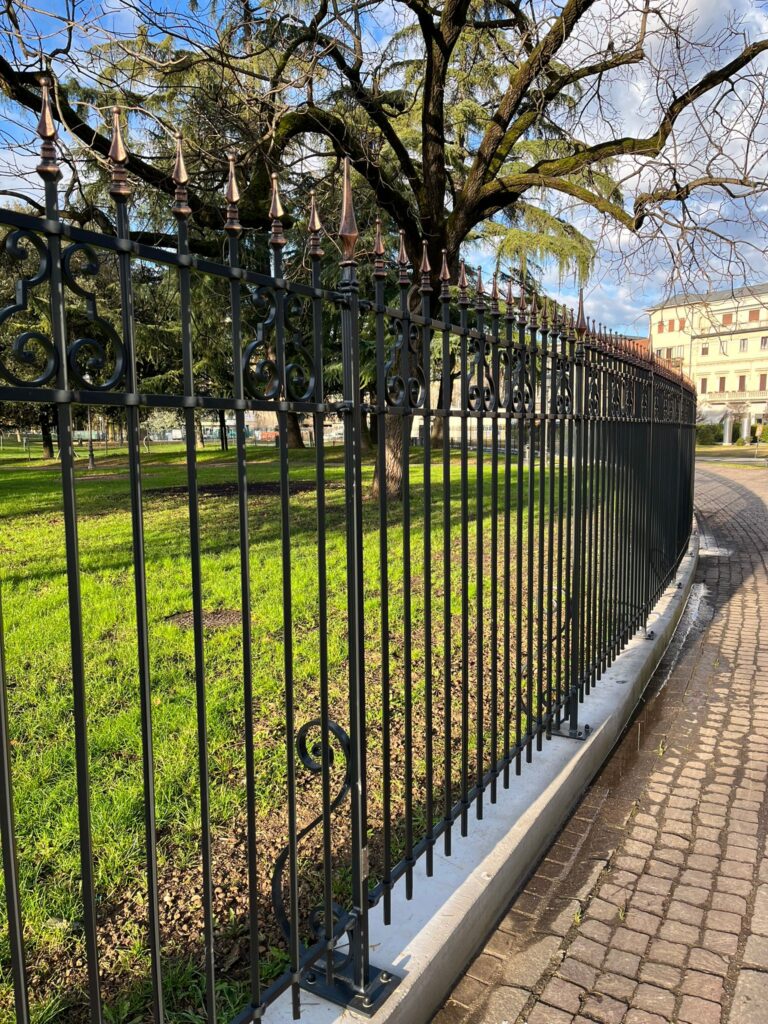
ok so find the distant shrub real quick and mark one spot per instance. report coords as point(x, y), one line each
point(709, 433)
point(740, 442)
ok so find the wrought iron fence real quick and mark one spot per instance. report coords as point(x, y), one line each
point(481, 607)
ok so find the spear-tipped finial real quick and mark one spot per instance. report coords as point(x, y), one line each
point(315, 227)
point(445, 277)
point(379, 269)
point(46, 130)
point(232, 195)
point(480, 289)
point(462, 282)
point(276, 213)
point(544, 321)
point(495, 294)
point(571, 325)
point(180, 178)
point(402, 260)
point(425, 270)
point(581, 321)
point(118, 155)
point(522, 312)
point(348, 232)
point(533, 308)
point(509, 300)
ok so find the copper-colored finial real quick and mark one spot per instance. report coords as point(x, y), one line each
point(118, 154)
point(479, 289)
point(495, 293)
point(379, 269)
point(509, 300)
point(445, 274)
point(348, 232)
point(425, 269)
point(46, 129)
point(180, 178)
point(571, 325)
point(581, 321)
point(276, 213)
point(232, 195)
point(462, 283)
point(315, 227)
point(179, 172)
point(402, 260)
point(521, 306)
point(117, 151)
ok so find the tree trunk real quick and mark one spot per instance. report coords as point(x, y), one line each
point(439, 422)
point(366, 441)
point(396, 430)
point(295, 440)
point(199, 438)
point(223, 439)
point(45, 429)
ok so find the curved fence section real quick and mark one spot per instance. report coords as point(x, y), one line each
point(496, 494)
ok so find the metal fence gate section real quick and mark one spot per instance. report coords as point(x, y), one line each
point(528, 543)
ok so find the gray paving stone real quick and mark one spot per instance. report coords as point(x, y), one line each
point(750, 999)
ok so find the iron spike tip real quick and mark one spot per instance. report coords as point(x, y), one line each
point(495, 288)
point(348, 232)
point(233, 192)
point(402, 255)
point(315, 224)
point(581, 321)
point(510, 297)
point(118, 154)
point(479, 288)
point(46, 129)
point(179, 172)
point(276, 211)
point(445, 274)
point(462, 282)
point(521, 306)
point(425, 267)
point(378, 242)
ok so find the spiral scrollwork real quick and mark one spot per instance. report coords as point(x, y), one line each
point(260, 377)
point(644, 400)
point(563, 391)
point(32, 347)
point(481, 387)
point(300, 372)
point(311, 754)
point(593, 394)
point(522, 389)
point(96, 360)
point(409, 386)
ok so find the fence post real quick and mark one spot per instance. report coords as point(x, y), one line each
point(578, 425)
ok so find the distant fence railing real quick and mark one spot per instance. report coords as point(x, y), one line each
point(483, 603)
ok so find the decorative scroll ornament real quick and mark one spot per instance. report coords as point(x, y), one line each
point(260, 377)
point(522, 390)
point(593, 393)
point(300, 370)
point(30, 348)
point(405, 387)
point(629, 397)
point(311, 756)
point(96, 361)
point(645, 400)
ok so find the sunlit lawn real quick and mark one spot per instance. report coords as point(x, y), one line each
point(36, 628)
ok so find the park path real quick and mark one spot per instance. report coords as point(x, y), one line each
point(652, 905)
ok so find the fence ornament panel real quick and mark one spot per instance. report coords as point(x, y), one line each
point(531, 539)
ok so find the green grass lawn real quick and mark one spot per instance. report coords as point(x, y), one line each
point(34, 603)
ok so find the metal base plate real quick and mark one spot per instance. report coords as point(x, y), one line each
point(380, 985)
point(563, 733)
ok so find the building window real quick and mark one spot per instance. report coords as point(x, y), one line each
point(681, 324)
point(742, 382)
point(703, 386)
point(727, 319)
point(764, 381)
point(724, 346)
point(754, 316)
point(721, 386)
point(743, 345)
point(764, 344)
point(660, 327)
point(678, 351)
point(670, 325)
point(705, 349)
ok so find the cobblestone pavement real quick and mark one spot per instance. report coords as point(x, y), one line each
point(652, 905)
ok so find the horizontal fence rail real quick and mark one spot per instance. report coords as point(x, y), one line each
point(539, 517)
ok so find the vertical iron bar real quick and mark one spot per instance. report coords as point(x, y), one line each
point(445, 306)
point(426, 358)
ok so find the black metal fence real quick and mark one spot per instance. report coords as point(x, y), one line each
point(481, 607)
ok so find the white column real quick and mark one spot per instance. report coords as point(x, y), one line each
point(727, 426)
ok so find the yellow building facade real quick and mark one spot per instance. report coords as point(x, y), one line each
point(720, 339)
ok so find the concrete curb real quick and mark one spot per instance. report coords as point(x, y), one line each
point(435, 935)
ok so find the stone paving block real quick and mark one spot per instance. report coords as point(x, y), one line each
point(756, 952)
point(542, 1014)
point(604, 1009)
point(750, 1000)
point(526, 968)
point(654, 1000)
point(563, 995)
point(504, 1005)
point(701, 1011)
